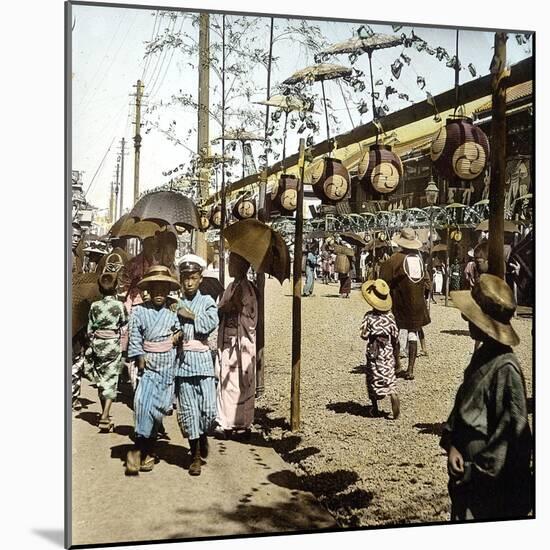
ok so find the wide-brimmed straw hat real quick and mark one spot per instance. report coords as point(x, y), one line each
point(408, 239)
point(158, 274)
point(490, 305)
point(377, 294)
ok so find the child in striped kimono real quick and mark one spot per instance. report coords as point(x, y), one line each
point(195, 378)
point(153, 332)
point(103, 358)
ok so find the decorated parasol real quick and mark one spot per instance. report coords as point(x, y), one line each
point(320, 73)
point(264, 248)
point(241, 135)
point(286, 103)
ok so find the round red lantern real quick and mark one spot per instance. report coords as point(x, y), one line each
point(330, 181)
point(244, 208)
point(460, 150)
point(380, 168)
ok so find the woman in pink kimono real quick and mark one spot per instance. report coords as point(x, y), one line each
point(236, 361)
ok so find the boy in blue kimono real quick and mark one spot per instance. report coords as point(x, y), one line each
point(153, 331)
point(195, 379)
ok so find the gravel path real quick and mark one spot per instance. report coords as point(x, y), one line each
point(366, 471)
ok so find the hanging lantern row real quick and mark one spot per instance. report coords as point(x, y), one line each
point(330, 181)
point(284, 195)
point(380, 168)
point(460, 150)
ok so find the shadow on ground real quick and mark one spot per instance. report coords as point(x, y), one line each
point(359, 369)
point(435, 428)
point(53, 535)
point(176, 455)
point(355, 409)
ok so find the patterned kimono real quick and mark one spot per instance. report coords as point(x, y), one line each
point(195, 379)
point(381, 333)
point(103, 358)
point(151, 333)
point(237, 360)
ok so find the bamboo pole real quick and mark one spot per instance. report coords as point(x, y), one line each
point(498, 158)
point(297, 299)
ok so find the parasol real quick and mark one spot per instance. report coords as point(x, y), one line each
point(439, 248)
point(320, 73)
point(353, 239)
point(318, 234)
point(359, 45)
point(242, 135)
point(210, 283)
point(509, 226)
point(286, 103)
point(132, 228)
point(264, 248)
point(84, 292)
point(167, 207)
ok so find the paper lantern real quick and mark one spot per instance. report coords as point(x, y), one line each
point(286, 197)
point(460, 150)
point(456, 235)
point(380, 168)
point(216, 216)
point(330, 181)
point(244, 208)
point(204, 220)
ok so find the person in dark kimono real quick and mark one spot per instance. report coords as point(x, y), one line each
point(487, 436)
point(406, 276)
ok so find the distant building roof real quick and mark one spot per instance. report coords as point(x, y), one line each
point(513, 95)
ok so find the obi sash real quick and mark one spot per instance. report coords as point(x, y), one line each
point(158, 347)
point(195, 345)
point(106, 334)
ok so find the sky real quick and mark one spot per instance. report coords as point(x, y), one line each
point(108, 56)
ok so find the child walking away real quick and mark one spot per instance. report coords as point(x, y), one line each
point(103, 358)
point(380, 331)
point(153, 330)
point(487, 436)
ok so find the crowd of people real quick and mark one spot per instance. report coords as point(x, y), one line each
point(178, 347)
point(193, 351)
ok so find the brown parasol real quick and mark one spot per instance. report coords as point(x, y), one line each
point(509, 226)
point(320, 73)
point(264, 248)
point(132, 228)
point(439, 248)
point(353, 239)
point(84, 292)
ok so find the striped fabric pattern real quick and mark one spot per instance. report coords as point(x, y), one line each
point(153, 397)
point(196, 404)
point(198, 363)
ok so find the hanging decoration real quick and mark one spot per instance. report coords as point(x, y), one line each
point(460, 150)
point(244, 208)
point(381, 168)
point(330, 181)
point(284, 195)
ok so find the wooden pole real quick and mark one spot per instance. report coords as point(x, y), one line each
point(122, 153)
point(498, 158)
point(221, 244)
point(297, 299)
point(203, 141)
point(447, 268)
point(262, 216)
point(137, 139)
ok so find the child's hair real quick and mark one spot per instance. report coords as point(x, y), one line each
point(107, 283)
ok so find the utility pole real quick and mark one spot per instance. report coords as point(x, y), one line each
point(297, 299)
point(498, 157)
point(112, 203)
point(137, 138)
point(121, 157)
point(203, 141)
point(117, 187)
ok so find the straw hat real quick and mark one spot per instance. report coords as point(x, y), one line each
point(107, 282)
point(408, 239)
point(377, 294)
point(161, 274)
point(490, 305)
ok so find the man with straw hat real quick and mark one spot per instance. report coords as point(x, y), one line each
point(153, 329)
point(381, 333)
point(406, 276)
point(487, 436)
point(195, 377)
